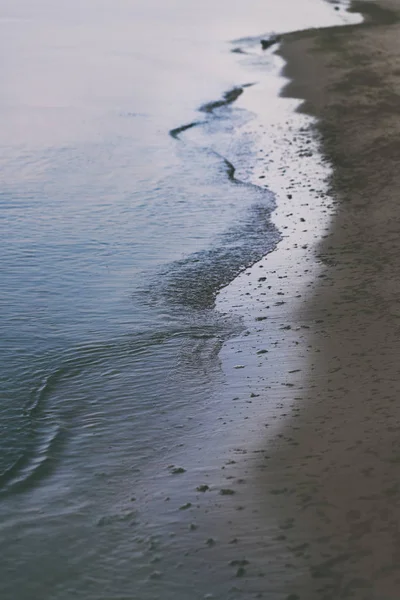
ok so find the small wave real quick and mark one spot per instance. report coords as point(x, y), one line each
point(36, 463)
point(194, 281)
point(50, 421)
point(228, 98)
point(175, 133)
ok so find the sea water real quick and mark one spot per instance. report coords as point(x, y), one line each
point(117, 230)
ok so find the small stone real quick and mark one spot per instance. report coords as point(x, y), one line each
point(202, 488)
point(185, 506)
point(210, 542)
point(178, 470)
point(226, 492)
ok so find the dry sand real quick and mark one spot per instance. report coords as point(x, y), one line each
point(337, 462)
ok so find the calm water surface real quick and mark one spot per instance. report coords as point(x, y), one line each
point(114, 238)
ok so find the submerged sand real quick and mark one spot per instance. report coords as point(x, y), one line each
point(337, 461)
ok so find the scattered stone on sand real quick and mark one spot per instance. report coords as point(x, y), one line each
point(226, 492)
point(210, 542)
point(202, 488)
point(177, 470)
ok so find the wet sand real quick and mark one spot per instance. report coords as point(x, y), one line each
point(336, 463)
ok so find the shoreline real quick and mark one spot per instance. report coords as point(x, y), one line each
point(239, 507)
point(205, 502)
point(328, 491)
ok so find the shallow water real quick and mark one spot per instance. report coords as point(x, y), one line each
point(115, 238)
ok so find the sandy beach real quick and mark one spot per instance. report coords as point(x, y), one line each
point(337, 461)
